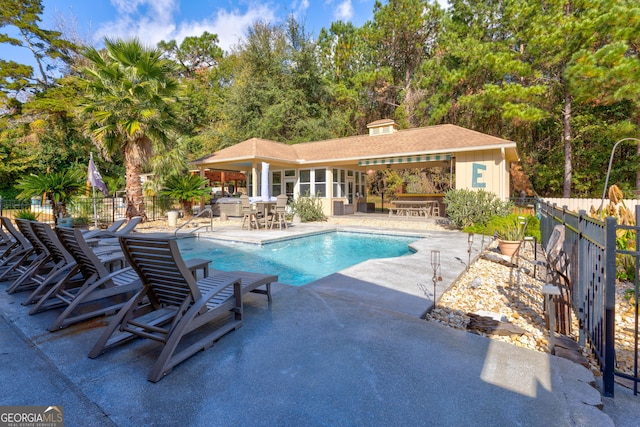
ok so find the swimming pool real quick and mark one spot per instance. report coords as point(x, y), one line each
point(301, 260)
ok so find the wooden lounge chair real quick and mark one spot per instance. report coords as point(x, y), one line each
point(19, 255)
point(102, 292)
point(171, 304)
point(65, 266)
point(36, 270)
point(109, 238)
point(108, 232)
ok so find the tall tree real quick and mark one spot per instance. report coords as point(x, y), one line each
point(404, 34)
point(20, 19)
point(194, 53)
point(278, 92)
point(131, 90)
point(606, 71)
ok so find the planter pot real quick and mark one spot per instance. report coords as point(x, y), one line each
point(65, 222)
point(509, 247)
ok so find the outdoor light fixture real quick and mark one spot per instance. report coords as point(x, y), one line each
point(435, 264)
point(470, 241)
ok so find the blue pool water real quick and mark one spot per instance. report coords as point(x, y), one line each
point(298, 261)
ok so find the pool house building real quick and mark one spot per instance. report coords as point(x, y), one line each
point(336, 170)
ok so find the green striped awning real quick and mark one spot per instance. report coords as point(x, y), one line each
point(404, 159)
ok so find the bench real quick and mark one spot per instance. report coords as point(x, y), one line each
point(408, 211)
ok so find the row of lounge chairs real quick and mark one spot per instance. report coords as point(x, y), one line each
point(154, 292)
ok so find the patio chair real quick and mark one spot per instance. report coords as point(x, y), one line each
point(109, 236)
point(248, 215)
point(5, 241)
point(102, 291)
point(65, 266)
point(279, 213)
point(34, 271)
point(108, 232)
point(171, 305)
point(18, 255)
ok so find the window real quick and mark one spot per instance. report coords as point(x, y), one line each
point(320, 182)
point(305, 182)
point(313, 182)
point(276, 183)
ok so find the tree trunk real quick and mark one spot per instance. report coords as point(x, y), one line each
point(566, 138)
point(135, 201)
point(187, 208)
point(638, 173)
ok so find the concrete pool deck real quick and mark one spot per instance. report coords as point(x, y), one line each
point(403, 284)
point(316, 355)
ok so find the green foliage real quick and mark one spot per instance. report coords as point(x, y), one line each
point(81, 221)
point(515, 230)
point(309, 209)
point(498, 223)
point(129, 106)
point(467, 207)
point(26, 214)
point(185, 189)
point(23, 17)
point(59, 187)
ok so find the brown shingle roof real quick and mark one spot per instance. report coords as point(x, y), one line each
point(426, 140)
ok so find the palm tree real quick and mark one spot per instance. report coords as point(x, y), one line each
point(59, 187)
point(130, 92)
point(185, 189)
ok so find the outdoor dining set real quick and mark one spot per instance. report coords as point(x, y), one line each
point(264, 213)
point(408, 208)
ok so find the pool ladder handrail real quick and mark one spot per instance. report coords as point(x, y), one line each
point(210, 226)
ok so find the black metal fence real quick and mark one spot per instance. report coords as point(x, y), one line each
point(104, 210)
point(591, 247)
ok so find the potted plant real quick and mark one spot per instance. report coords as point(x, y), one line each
point(511, 236)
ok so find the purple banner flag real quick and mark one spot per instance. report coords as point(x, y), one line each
point(95, 179)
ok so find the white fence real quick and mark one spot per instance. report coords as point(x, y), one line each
point(577, 205)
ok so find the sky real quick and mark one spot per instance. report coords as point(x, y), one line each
point(155, 20)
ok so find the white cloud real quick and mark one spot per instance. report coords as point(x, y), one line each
point(344, 11)
point(153, 20)
point(300, 8)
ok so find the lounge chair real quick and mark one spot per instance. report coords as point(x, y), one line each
point(171, 304)
point(66, 268)
point(108, 232)
point(106, 291)
point(16, 256)
point(109, 237)
point(34, 271)
point(102, 292)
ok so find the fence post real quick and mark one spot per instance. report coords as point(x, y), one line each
point(582, 261)
point(610, 306)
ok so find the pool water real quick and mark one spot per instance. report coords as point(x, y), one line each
point(298, 261)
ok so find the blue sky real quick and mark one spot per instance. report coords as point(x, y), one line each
point(155, 20)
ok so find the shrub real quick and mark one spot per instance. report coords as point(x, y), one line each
point(308, 208)
point(467, 208)
point(498, 223)
point(26, 214)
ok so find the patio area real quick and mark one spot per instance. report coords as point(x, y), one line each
point(338, 351)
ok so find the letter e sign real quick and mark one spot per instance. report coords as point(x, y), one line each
point(476, 175)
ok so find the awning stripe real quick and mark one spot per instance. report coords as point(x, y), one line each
point(402, 160)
